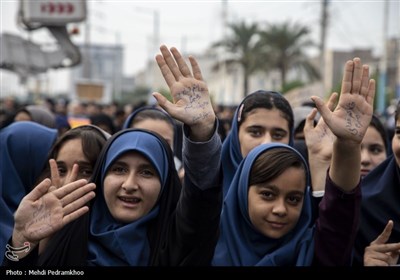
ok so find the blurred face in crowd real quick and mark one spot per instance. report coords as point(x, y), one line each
point(131, 187)
point(22, 116)
point(159, 126)
point(373, 150)
point(275, 206)
point(396, 142)
point(262, 126)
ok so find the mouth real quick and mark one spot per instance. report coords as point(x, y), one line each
point(364, 172)
point(129, 201)
point(276, 225)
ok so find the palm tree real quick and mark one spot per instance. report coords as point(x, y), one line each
point(242, 47)
point(283, 48)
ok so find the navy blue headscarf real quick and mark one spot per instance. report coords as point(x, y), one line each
point(112, 243)
point(231, 153)
point(240, 244)
point(24, 147)
point(380, 203)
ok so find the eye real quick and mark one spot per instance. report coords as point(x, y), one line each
point(255, 132)
point(62, 171)
point(267, 195)
point(376, 149)
point(294, 199)
point(86, 172)
point(118, 169)
point(278, 135)
point(148, 173)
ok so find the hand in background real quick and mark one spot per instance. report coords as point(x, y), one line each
point(379, 253)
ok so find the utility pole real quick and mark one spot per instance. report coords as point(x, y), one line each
point(383, 63)
point(86, 60)
point(398, 70)
point(322, 46)
point(222, 57)
point(155, 42)
point(398, 59)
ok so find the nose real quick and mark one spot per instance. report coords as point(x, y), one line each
point(266, 139)
point(279, 208)
point(365, 158)
point(130, 183)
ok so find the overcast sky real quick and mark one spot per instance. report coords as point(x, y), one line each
point(193, 25)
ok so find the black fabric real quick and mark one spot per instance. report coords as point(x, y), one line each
point(380, 203)
point(69, 246)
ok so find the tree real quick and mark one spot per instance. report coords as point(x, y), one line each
point(284, 45)
point(242, 48)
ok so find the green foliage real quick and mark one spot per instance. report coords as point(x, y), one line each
point(291, 85)
point(166, 93)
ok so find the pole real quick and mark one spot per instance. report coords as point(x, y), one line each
point(398, 59)
point(383, 63)
point(86, 59)
point(324, 23)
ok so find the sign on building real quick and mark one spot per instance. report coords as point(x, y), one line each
point(53, 12)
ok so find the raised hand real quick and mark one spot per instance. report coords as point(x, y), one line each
point(319, 141)
point(41, 213)
point(351, 118)
point(378, 253)
point(191, 99)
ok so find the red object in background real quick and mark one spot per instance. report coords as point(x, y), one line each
point(74, 31)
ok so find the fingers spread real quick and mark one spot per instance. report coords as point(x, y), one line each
point(169, 60)
point(384, 236)
point(74, 174)
point(55, 176)
point(309, 124)
point(184, 69)
point(39, 190)
point(165, 71)
point(76, 194)
point(78, 203)
point(332, 101)
point(196, 68)
point(69, 188)
point(365, 80)
point(371, 92)
point(347, 77)
point(357, 76)
point(74, 215)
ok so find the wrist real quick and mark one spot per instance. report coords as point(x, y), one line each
point(203, 131)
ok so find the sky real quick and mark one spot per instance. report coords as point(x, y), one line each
point(192, 26)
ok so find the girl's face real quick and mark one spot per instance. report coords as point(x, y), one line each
point(373, 150)
point(131, 187)
point(159, 126)
point(263, 126)
point(396, 142)
point(274, 207)
point(71, 152)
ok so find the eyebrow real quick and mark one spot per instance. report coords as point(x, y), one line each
point(276, 189)
point(141, 165)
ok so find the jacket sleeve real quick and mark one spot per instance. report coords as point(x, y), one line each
point(337, 225)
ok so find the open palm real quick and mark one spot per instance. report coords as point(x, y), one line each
point(192, 103)
point(42, 212)
point(353, 113)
